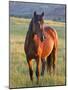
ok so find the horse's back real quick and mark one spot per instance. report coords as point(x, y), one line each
point(52, 33)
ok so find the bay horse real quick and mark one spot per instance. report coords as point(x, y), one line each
point(38, 48)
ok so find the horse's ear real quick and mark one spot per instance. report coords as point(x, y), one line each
point(42, 14)
point(34, 13)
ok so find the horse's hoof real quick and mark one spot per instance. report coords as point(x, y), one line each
point(42, 74)
point(37, 82)
point(32, 82)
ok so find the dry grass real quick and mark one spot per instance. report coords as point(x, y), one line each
point(19, 73)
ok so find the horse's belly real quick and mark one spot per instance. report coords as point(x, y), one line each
point(47, 48)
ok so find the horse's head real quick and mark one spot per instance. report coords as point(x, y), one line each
point(37, 22)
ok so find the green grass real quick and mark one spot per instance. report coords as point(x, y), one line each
point(19, 73)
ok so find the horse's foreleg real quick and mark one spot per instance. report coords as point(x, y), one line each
point(30, 69)
point(38, 70)
point(43, 66)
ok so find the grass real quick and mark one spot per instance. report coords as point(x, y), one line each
point(19, 73)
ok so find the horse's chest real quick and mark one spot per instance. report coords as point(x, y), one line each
point(32, 50)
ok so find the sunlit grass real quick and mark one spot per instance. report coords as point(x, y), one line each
point(19, 73)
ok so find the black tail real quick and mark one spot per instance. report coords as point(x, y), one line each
point(49, 63)
point(51, 60)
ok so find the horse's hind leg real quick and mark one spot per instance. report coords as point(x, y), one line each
point(54, 59)
point(49, 63)
point(43, 66)
point(30, 69)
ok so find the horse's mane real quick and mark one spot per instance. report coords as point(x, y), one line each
point(30, 30)
point(29, 33)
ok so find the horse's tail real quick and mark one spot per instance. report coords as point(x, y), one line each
point(51, 60)
point(49, 63)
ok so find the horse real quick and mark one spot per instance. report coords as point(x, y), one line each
point(39, 49)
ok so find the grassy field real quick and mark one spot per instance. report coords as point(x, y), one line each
point(19, 73)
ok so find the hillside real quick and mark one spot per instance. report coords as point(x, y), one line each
point(25, 10)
